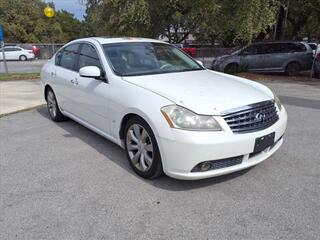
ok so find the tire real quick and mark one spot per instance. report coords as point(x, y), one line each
point(23, 58)
point(231, 68)
point(316, 74)
point(293, 68)
point(53, 107)
point(142, 149)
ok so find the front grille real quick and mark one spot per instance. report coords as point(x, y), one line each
point(252, 117)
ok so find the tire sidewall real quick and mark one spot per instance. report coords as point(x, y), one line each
point(23, 58)
point(156, 167)
point(293, 68)
point(231, 68)
point(59, 116)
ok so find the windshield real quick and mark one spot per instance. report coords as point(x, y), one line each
point(144, 58)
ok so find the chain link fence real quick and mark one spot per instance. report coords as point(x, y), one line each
point(46, 50)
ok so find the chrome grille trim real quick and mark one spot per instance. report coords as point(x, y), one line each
point(251, 118)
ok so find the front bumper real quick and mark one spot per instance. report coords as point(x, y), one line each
point(189, 148)
point(216, 66)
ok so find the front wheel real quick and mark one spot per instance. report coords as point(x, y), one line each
point(231, 68)
point(142, 149)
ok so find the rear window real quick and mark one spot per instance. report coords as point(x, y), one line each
point(296, 47)
point(313, 46)
point(273, 48)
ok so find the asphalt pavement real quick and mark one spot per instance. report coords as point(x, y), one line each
point(62, 181)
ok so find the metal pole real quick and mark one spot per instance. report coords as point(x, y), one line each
point(4, 58)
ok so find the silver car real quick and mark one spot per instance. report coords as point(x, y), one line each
point(288, 57)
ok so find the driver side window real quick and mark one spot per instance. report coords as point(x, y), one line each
point(88, 57)
point(251, 50)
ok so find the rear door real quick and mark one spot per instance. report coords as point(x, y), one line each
point(275, 56)
point(64, 75)
point(300, 53)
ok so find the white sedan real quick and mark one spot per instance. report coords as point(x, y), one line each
point(16, 53)
point(166, 110)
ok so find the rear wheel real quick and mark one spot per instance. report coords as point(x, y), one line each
point(293, 69)
point(23, 58)
point(142, 149)
point(53, 107)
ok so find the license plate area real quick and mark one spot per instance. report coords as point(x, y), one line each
point(262, 143)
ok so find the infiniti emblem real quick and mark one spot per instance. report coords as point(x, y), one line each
point(260, 116)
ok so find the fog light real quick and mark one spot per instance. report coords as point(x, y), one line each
point(205, 166)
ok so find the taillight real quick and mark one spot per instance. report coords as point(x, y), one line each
point(30, 51)
point(318, 56)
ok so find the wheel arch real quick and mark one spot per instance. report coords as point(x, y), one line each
point(292, 61)
point(47, 87)
point(22, 55)
point(232, 63)
point(134, 113)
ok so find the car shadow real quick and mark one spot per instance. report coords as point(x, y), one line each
point(116, 154)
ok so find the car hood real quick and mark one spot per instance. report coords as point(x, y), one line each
point(204, 91)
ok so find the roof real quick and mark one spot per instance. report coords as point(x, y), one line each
point(105, 40)
point(278, 41)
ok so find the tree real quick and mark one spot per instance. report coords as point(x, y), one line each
point(237, 20)
point(24, 21)
point(303, 19)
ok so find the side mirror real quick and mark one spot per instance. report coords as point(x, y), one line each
point(200, 62)
point(90, 72)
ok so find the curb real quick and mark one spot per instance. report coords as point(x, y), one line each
point(21, 110)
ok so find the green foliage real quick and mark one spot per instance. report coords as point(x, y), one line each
point(223, 19)
point(303, 19)
point(232, 22)
point(24, 21)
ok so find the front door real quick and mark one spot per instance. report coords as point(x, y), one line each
point(252, 59)
point(91, 94)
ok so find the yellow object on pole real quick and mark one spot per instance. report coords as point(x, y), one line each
point(49, 12)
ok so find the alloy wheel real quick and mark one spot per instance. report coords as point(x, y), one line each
point(52, 104)
point(139, 147)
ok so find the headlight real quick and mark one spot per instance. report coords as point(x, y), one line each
point(182, 118)
point(277, 100)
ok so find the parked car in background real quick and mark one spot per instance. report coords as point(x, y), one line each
point(167, 111)
point(17, 53)
point(288, 57)
point(35, 49)
point(192, 51)
point(316, 66)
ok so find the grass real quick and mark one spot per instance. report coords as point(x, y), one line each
point(18, 76)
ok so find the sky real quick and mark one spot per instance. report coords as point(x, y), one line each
point(72, 6)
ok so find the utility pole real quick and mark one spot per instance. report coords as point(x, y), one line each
point(281, 21)
point(49, 13)
point(2, 47)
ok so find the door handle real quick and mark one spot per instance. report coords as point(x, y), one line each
point(53, 74)
point(74, 81)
